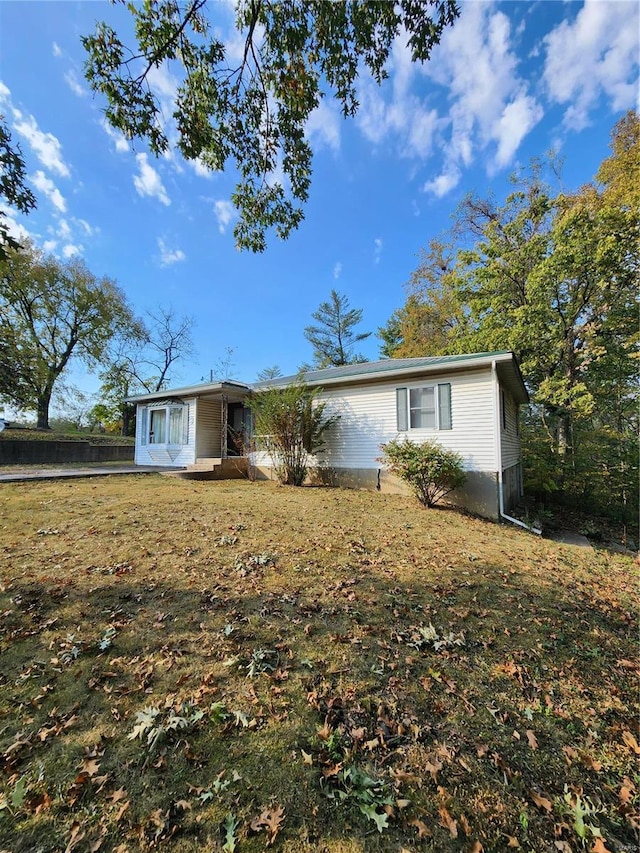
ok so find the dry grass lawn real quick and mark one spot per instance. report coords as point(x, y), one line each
point(197, 666)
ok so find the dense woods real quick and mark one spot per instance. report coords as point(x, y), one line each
point(551, 275)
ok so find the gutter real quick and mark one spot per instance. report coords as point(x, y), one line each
point(498, 451)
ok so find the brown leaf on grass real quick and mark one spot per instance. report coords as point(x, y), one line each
point(90, 766)
point(421, 826)
point(116, 796)
point(306, 757)
point(448, 822)
point(121, 811)
point(533, 742)
point(466, 826)
point(570, 754)
point(631, 742)
point(271, 821)
point(599, 847)
point(75, 837)
point(541, 802)
point(476, 847)
point(590, 762)
point(512, 841)
point(625, 795)
point(433, 768)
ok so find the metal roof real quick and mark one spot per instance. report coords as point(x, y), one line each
point(369, 371)
point(366, 372)
point(199, 390)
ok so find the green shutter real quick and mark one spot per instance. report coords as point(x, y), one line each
point(401, 410)
point(144, 428)
point(444, 405)
point(185, 425)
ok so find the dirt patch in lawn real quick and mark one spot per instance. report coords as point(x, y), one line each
point(225, 666)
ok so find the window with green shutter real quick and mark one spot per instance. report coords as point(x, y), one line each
point(425, 407)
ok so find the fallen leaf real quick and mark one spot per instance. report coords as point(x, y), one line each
point(512, 841)
point(476, 847)
point(115, 796)
point(90, 766)
point(423, 829)
point(631, 742)
point(448, 822)
point(121, 811)
point(306, 757)
point(271, 821)
point(533, 743)
point(625, 794)
point(542, 802)
point(599, 847)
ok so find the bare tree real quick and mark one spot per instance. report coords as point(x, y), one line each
point(145, 362)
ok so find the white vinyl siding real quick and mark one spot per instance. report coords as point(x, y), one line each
point(368, 418)
point(509, 434)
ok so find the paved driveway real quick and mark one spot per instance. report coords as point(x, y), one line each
point(14, 473)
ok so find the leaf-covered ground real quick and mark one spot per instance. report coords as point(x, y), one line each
point(189, 666)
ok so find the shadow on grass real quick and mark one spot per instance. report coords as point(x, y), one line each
point(313, 671)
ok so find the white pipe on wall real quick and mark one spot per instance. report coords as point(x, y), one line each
point(498, 453)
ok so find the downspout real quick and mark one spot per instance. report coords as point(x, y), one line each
point(498, 453)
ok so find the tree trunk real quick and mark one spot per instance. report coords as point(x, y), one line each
point(43, 410)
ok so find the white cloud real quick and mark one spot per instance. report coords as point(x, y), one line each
point(592, 56)
point(14, 228)
point(88, 229)
point(49, 246)
point(444, 183)
point(377, 250)
point(46, 146)
point(71, 79)
point(406, 118)
point(70, 250)
point(337, 270)
point(225, 212)
point(517, 119)
point(491, 109)
point(199, 168)
point(57, 50)
point(5, 94)
point(148, 181)
point(64, 229)
point(121, 143)
point(169, 256)
point(323, 126)
point(45, 185)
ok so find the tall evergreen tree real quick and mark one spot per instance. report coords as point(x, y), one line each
point(334, 339)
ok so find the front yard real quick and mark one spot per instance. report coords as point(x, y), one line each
point(198, 666)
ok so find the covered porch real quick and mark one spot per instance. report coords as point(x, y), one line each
point(201, 429)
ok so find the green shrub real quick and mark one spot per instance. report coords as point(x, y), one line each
point(430, 470)
point(290, 425)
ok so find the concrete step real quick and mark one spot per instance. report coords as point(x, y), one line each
point(205, 464)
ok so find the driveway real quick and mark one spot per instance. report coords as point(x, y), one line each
point(15, 473)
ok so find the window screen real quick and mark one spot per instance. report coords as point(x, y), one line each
point(422, 408)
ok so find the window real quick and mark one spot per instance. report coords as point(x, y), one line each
point(425, 407)
point(165, 425)
point(503, 409)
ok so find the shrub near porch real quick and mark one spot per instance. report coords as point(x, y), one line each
point(192, 666)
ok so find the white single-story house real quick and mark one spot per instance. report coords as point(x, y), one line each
point(468, 403)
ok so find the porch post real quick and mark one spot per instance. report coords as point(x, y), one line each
point(224, 431)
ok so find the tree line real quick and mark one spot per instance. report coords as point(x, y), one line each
point(54, 312)
point(552, 276)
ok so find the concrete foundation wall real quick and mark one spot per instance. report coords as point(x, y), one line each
point(479, 495)
point(17, 452)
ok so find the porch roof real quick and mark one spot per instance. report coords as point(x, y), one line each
point(203, 389)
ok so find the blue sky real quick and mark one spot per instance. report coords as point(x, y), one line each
point(509, 81)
